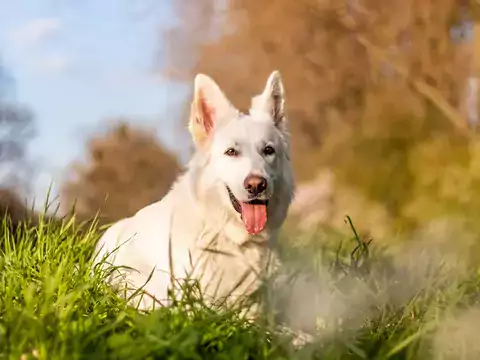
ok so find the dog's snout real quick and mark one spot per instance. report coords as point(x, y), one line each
point(255, 185)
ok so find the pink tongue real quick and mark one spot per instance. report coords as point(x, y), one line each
point(254, 216)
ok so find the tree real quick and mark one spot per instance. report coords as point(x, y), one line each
point(127, 169)
point(342, 60)
point(369, 84)
point(16, 130)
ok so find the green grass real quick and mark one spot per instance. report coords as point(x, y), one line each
point(51, 307)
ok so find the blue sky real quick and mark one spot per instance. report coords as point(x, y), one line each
point(79, 62)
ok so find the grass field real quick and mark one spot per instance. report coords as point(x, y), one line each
point(362, 305)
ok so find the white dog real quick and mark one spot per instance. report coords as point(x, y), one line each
point(219, 222)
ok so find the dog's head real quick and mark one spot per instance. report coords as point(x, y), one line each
point(248, 154)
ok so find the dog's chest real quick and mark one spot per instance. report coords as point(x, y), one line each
point(225, 268)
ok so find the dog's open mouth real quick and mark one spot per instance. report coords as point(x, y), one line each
point(253, 213)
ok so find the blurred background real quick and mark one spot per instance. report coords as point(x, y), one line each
point(382, 98)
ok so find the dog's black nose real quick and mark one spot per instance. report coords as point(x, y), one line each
point(255, 185)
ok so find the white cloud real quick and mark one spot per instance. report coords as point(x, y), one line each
point(30, 38)
point(54, 63)
point(36, 31)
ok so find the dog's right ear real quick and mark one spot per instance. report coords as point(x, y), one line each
point(209, 105)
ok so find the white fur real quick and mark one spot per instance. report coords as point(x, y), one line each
point(197, 214)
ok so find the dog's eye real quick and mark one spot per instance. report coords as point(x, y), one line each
point(269, 150)
point(231, 152)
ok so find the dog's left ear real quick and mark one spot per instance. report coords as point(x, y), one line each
point(272, 100)
point(209, 106)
